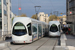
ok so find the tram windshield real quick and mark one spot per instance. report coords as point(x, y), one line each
point(19, 29)
point(53, 28)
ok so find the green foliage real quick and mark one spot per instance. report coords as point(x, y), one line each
point(52, 17)
point(34, 17)
point(12, 18)
point(23, 15)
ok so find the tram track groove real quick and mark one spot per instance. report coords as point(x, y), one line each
point(46, 42)
point(42, 45)
point(54, 44)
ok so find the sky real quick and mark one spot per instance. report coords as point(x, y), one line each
point(47, 6)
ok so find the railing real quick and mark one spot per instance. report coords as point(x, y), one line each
point(4, 34)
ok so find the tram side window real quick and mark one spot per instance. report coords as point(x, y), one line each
point(29, 28)
point(39, 28)
point(34, 27)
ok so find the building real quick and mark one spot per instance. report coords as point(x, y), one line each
point(0, 16)
point(70, 12)
point(63, 19)
point(43, 17)
point(5, 15)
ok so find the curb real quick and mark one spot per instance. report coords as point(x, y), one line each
point(62, 40)
point(3, 44)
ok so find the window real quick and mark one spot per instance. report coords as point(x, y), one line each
point(10, 15)
point(5, 13)
point(53, 28)
point(34, 28)
point(19, 29)
point(43, 15)
point(4, 2)
point(0, 24)
point(29, 29)
point(0, 7)
point(40, 15)
point(0, 15)
point(10, 1)
point(10, 8)
point(39, 28)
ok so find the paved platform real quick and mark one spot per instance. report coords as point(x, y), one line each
point(67, 42)
point(5, 43)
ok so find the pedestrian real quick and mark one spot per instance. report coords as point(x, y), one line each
point(63, 29)
point(69, 30)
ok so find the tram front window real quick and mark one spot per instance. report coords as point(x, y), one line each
point(53, 28)
point(19, 29)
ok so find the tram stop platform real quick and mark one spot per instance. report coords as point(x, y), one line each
point(5, 43)
point(67, 42)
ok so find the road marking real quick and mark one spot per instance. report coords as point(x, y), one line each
point(65, 38)
point(71, 47)
point(62, 39)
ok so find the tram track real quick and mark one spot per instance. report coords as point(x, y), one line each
point(42, 45)
point(54, 44)
point(46, 42)
point(36, 48)
point(19, 47)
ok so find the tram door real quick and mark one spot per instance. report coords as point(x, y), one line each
point(59, 27)
point(39, 31)
point(34, 31)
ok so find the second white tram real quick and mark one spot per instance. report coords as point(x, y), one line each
point(27, 30)
point(54, 28)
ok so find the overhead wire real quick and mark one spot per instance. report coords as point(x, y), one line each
point(53, 6)
point(32, 2)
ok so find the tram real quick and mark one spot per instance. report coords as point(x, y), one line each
point(54, 28)
point(27, 30)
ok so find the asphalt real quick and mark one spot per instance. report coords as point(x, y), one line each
point(70, 40)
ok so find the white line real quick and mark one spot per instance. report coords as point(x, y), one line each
point(64, 36)
point(62, 39)
point(71, 47)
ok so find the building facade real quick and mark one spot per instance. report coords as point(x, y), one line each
point(0, 16)
point(43, 17)
point(5, 16)
point(70, 12)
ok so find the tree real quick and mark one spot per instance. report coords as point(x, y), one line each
point(52, 17)
point(34, 16)
point(12, 20)
point(23, 15)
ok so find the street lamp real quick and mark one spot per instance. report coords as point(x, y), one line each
point(37, 10)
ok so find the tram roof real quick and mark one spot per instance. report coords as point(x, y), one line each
point(54, 22)
point(26, 19)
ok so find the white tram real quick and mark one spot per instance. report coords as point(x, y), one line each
point(27, 30)
point(54, 28)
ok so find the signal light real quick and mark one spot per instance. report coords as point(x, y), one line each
point(19, 8)
point(70, 12)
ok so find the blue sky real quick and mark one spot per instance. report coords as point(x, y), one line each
point(47, 6)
